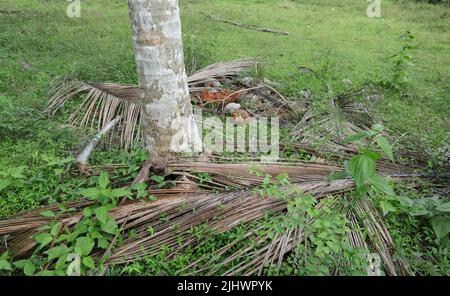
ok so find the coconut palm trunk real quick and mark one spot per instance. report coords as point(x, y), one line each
point(167, 118)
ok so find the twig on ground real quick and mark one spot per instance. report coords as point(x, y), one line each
point(243, 25)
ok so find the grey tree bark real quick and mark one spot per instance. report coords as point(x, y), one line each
point(167, 120)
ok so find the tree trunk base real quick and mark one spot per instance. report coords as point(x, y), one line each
point(156, 165)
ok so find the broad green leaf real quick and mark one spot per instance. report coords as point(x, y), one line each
point(92, 193)
point(55, 229)
point(386, 147)
point(61, 238)
point(72, 235)
point(418, 211)
point(103, 243)
point(433, 201)
point(362, 167)
point(405, 201)
point(48, 214)
point(110, 226)
point(381, 184)
point(67, 160)
point(139, 186)
point(20, 263)
point(441, 226)
point(46, 273)
point(375, 156)
point(84, 246)
point(88, 262)
point(5, 265)
point(4, 183)
point(60, 272)
point(386, 207)
point(4, 256)
point(58, 172)
point(61, 261)
point(29, 268)
point(120, 192)
point(157, 179)
point(445, 207)
point(378, 128)
point(102, 214)
point(43, 239)
point(103, 180)
point(357, 137)
point(95, 234)
point(87, 212)
point(44, 228)
point(56, 252)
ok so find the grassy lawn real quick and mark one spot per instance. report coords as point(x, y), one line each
point(333, 37)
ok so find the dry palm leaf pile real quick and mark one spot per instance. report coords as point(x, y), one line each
point(220, 211)
point(104, 102)
point(228, 196)
point(212, 88)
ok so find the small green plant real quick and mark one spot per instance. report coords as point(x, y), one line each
point(411, 229)
point(160, 181)
point(432, 209)
point(325, 242)
point(5, 263)
point(402, 60)
point(62, 251)
point(11, 177)
point(204, 178)
point(59, 165)
point(196, 54)
point(362, 167)
point(278, 187)
point(439, 160)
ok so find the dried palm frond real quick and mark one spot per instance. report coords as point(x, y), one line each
point(222, 212)
point(356, 236)
point(238, 175)
point(345, 116)
point(336, 151)
point(267, 251)
point(225, 210)
point(221, 173)
point(323, 134)
point(219, 71)
point(105, 101)
point(263, 252)
point(186, 207)
point(102, 103)
point(250, 174)
point(360, 111)
point(381, 240)
point(323, 129)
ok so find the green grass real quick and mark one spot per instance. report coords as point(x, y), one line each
point(336, 35)
point(332, 37)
